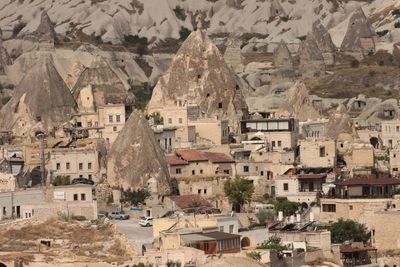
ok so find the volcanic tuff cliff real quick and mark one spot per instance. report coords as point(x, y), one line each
point(199, 75)
point(158, 20)
point(136, 160)
point(358, 27)
point(45, 30)
point(41, 100)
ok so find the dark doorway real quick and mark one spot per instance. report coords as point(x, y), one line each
point(374, 142)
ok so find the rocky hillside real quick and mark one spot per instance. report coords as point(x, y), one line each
point(110, 20)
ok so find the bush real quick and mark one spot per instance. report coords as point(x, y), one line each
point(61, 180)
point(264, 215)
point(274, 243)
point(184, 33)
point(254, 255)
point(382, 33)
point(135, 40)
point(355, 64)
point(5, 99)
point(18, 28)
point(157, 119)
point(287, 207)
point(396, 12)
point(135, 197)
point(344, 230)
point(180, 13)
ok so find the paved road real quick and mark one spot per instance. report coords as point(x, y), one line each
point(137, 234)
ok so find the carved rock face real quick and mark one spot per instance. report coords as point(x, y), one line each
point(358, 28)
point(45, 29)
point(199, 75)
point(136, 160)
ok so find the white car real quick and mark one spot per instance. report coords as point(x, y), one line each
point(146, 221)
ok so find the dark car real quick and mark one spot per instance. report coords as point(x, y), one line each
point(82, 181)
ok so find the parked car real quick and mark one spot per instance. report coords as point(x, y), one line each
point(146, 221)
point(117, 215)
point(82, 181)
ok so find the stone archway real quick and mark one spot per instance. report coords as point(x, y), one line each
point(245, 242)
point(304, 206)
point(2, 265)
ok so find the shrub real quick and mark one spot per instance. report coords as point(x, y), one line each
point(382, 33)
point(184, 33)
point(254, 255)
point(344, 230)
point(180, 13)
point(264, 215)
point(287, 207)
point(355, 64)
point(18, 28)
point(135, 40)
point(61, 180)
point(135, 197)
point(5, 99)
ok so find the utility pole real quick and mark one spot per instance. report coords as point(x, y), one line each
point(42, 136)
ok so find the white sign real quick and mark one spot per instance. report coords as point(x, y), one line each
point(59, 195)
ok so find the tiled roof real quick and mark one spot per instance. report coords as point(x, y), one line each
point(174, 160)
point(312, 176)
point(192, 155)
point(349, 249)
point(369, 181)
point(219, 157)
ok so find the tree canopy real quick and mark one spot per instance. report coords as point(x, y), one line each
point(135, 197)
point(287, 207)
point(344, 230)
point(239, 191)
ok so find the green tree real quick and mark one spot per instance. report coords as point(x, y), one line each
point(239, 191)
point(135, 197)
point(264, 215)
point(343, 230)
point(61, 180)
point(287, 207)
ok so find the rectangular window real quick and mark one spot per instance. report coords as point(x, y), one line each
point(245, 168)
point(394, 155)
point(273, 143)
point(110, 118)
point(80, 166)
point(4, 211)
point(178, 171)
point(75, 197)
point(285, 187)
point(115, 128)
point(199, 191)
point(90, 177)
point(83, 197)
point(350, 207)
point(322, 151)
point(205, 191)
point(89, 124)
point(68, 165)
point(231, 228)
point(262, 173)
point(329, 207)
point(226, 171)
point(89, 166)
point(279, 143)
point(169, 120)
point(397, 128)
point(221, 228)
point(58, 165)
point(193, 172)
point(220, 105)
point(395, 169)
point(180, 120)
point(201, 171)
point(118, 118)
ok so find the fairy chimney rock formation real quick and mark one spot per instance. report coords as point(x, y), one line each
point(311, 58)
point(136, 159)
point(45, 30)
point(41, 99)
point(324, 42)
point(199, 76)
point(359, 37)
point(282, 57)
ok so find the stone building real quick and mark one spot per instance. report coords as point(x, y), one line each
point(317, 153)
point(390, 133)
point(394, 161)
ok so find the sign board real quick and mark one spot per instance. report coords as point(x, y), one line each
point(59, 195)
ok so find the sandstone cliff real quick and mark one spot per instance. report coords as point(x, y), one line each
point(199, 75)
point(136, 160)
